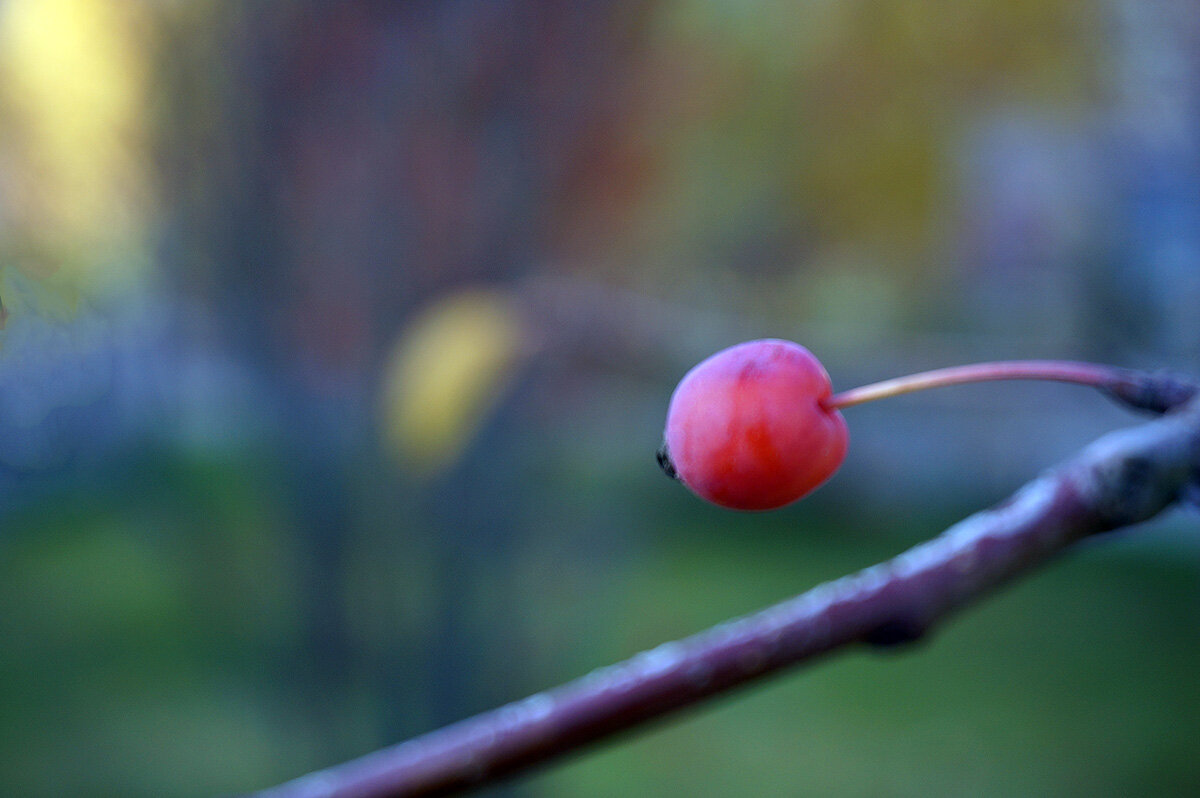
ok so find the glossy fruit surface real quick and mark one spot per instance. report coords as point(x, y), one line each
point(746, 428)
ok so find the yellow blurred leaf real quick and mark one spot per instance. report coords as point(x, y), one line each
point(446, 372)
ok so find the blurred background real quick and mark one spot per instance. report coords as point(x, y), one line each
point(337, 340)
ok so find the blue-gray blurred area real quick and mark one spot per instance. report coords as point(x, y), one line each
point(337, 339)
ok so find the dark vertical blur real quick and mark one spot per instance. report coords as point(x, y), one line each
point(370, 157)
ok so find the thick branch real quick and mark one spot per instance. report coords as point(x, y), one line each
point(1121, 479)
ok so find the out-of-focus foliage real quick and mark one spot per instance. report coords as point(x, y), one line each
point(338, 339)
point(794, 134)
point(446, 371)
point(73, 112)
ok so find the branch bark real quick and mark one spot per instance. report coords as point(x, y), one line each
point(1121, 479)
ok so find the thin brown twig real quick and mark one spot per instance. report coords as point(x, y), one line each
point(1123, 478)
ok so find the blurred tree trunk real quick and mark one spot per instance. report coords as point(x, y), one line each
point(331, 166)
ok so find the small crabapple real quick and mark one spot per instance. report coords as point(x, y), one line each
point(756, 426)
point(746, 428)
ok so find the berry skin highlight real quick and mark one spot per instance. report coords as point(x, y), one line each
point(757, 426)
point(747, 428)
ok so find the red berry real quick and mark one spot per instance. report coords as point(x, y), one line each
point(747, 429)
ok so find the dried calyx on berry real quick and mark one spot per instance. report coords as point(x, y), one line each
point(664, 461)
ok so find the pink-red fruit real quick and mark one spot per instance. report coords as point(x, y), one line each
point(747, 428)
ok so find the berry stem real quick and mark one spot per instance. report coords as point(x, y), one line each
point(1092, 374)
